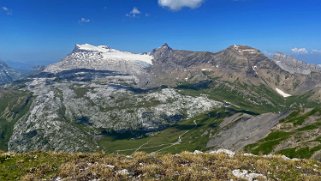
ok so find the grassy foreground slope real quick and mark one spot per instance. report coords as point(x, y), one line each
point(142, 166)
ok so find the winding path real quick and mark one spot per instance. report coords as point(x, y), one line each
point(179, 141)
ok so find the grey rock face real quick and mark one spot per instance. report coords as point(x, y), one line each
point(293, 65)
point(241, 130)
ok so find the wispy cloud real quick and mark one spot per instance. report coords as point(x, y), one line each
point(179, 4)
point(84, 20)
point(6, 10)
point(134, 12)
point(300, 50)
point(316, 51)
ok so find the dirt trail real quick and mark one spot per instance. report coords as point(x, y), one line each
point(167, 145)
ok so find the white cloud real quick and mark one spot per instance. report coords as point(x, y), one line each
point(300, 50)
point(84, 20)
point(179, 4)
point(134, 12)
point(6, 10)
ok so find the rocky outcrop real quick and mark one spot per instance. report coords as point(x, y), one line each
point(70, 115)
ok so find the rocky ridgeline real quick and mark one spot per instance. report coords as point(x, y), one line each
point(293, 65)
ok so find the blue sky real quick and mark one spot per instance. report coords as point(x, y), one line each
point(44, 31)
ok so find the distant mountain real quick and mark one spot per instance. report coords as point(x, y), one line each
point(8, 74)
point(293, 65)
point(104, 58)
point(236, 64)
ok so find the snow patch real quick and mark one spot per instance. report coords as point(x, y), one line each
point(247, 50)
point(102, 57)
point(112, 54)
point(282, 93)
point(88, 47)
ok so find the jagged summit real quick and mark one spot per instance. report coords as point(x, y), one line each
point(162, 52)
point(165, 46)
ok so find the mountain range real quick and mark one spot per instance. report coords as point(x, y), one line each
point(167, 100)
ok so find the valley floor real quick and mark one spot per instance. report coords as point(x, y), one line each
point(224, 165)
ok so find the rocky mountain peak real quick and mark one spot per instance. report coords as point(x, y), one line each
point(243, 50)
point(165, 46)
point(162, 52)
point(242, 56)
point(102, 57)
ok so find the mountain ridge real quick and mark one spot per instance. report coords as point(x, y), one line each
point(293, 65)
point(99, 98)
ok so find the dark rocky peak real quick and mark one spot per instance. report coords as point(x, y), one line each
point(162, 52)
point(165, 47)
